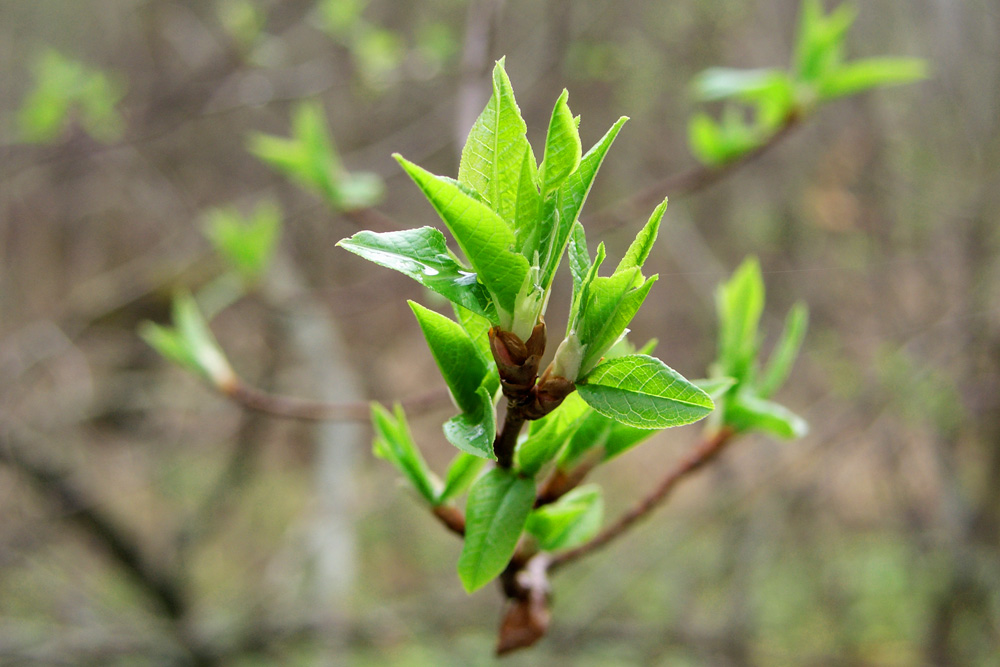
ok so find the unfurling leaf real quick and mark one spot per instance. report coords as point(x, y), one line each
point(394, 443)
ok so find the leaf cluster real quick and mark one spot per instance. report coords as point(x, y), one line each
point(757, 103)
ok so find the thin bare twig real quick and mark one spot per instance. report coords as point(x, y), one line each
point(705, 452)
point(686, 182)
point(290, 407)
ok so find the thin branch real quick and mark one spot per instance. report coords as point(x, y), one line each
point(290, 407)
point(705, 452)
point(686, 182)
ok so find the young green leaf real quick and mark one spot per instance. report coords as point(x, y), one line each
point(461, 473)
point(497, 509)
point(740, 302)
point(718, 83)
point(751, 413)
point(785, 351)
point(547, 435)
point(562, 147)
point(247, 243)
point(570, 199)
point(494, 154)
point(610, 306)
point(715, 387)
point(456, 355)
point(643, 392)
point(855, 77)
point(570, 521)
point(422, 254)
point(310, 159)
point(483, 236)
point(191, 343)
point(478, 328)
point(394, 443)
point(640, 248)
point(820, 40)
point(473, 432)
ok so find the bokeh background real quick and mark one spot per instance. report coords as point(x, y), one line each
point(144, 519)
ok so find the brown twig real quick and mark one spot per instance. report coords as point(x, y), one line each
point(290, 407)
point(705, 452)
point(687, 182)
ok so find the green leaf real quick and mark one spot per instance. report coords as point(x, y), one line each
point(478, 328)
point(610, 306)
point(597, 432)
point(422, 254)
point(191, 343)
point(820, 39)
point(858, 76)
point(246, 243)
point(717, 83)
point(66, 90)
point(740, 302)
point(640, 248)
point(310, 159)
point(570, 199)
point(786, 350)
point(751, 413)
point(456, 355)
point(495, 153)
point(570, 521)
point(394, 443)
point(706, 141)
point(483, 236)
point(547, 435)
point(461, 473)
point(715, 387)
point(473, 432)
point(562, 147)
point(497, 509)
point(642, 391)
point(528, 211)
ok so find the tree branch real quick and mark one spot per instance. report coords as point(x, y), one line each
point(687, 182)
point(705, 452)
point(290, 407)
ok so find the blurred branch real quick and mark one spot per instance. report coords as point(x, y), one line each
point(705, 452)
point(162, 586)
point(164, 589)
point(686, 182)
point(290, 407)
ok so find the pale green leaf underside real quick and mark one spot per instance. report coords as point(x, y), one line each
point(642, 391)
point(422, 254)
point(473, 432)
point(497, 509)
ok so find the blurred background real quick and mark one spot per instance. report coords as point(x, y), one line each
point(144, 519)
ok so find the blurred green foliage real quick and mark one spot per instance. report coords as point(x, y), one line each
point(67, 92)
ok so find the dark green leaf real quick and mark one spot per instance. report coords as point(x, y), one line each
point(497, 509)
